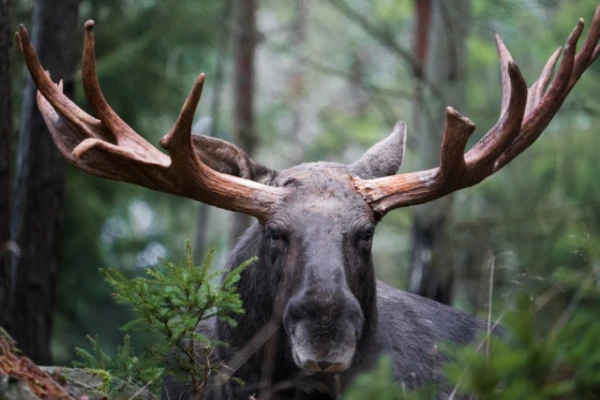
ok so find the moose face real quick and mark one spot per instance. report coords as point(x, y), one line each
point(314, 249)
point(320, 239)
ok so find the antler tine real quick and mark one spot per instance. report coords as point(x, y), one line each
point(178, 142)
point(50, 91)
point(595, 55)
point(537, 90)
point(525, 113)
point(583, 58)
point(504, 57)
point(481, 157)
point(109, 148)
point(91, 87)
point(549, 104)
point(539, 118)
point(457, 131)
point(117, 130)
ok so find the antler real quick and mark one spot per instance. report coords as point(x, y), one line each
point(109, 148)
point(524, 115)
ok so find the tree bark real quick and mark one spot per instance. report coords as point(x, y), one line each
point(6, 132)
point(39, 186)
point(244, 38)
point(440, 47)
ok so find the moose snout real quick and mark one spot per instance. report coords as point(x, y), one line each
point(323, 329)
point(320, 366)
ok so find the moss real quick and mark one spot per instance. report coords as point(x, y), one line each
point(97, 384)
point(107, 379)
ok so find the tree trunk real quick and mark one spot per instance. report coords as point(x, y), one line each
point(215, 113)
point(440, 47)
point(6, 132)
point(244, 37)
point(39, 186)
point(297, 84)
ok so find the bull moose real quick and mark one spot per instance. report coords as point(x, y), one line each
point(315, 314)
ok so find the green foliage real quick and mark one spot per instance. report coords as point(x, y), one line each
point(527, 361)
point(171, 301)
point(562, 363)
point(124, 364)
point(380, 384)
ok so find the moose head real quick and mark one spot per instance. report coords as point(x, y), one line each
point(316, 221)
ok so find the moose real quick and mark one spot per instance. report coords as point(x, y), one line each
point(315, 317)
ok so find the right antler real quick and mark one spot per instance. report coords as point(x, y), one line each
point(109, 148)
point(524, 115)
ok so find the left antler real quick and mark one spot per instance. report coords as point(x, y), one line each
point(524, 115)
point(109, 148)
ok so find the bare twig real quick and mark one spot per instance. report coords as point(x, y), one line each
point(479, 346)
point(568, 312)
point(383, 37)
point(146, 386)
point(547, 297)
point(490, 299)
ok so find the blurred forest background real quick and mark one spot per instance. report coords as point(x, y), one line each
point(290, 81)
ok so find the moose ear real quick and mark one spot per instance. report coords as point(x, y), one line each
point(229, 159)
point(384, 158)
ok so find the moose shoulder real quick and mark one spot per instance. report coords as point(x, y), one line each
point(315, 314)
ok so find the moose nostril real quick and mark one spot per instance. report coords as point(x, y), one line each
point(323, 365)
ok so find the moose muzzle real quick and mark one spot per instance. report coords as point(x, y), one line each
point(324, 328)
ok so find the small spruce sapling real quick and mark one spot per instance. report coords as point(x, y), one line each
point(172, 300)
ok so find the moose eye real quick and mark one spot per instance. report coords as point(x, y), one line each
point(274, 234)
point(367, 235)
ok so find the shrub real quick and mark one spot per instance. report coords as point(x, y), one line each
point(529, 361)
point(171, 301)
